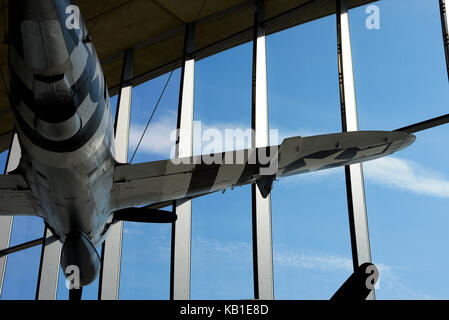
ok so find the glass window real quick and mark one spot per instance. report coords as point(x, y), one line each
point(21, 274)
point(145, 269)
point(311, 243)
point(400, 68)
point(3, 159)
point(221, 223)
point(22, 267)
point(400, 77)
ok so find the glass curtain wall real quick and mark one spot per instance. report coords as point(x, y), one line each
point(145, 270)
point(312, 254)
point(221, 222)
point(401, 78)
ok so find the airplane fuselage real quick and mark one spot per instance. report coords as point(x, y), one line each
point(63, 118)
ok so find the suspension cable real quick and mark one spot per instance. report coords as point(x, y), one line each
point(152, 114)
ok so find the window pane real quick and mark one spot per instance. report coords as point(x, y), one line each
point(21, 275)
point(221, 223)
point(312, 254)
point(400, 76)
point(399, 69)
point(3, 158)
point(22, 267)
point(145, 270)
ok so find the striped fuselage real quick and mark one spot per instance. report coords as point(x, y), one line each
point(63, 116)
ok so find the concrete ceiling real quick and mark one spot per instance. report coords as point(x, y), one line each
point(155, 28)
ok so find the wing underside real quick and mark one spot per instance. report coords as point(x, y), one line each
point(163, 181)
point(15, 196)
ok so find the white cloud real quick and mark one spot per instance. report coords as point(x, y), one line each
point(406, 175)
point(316, 262)
point(132, 231)
point(389, 172)
point(156, 139)
point(229, 249)
point(390, 284)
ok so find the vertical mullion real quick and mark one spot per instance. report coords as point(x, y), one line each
point(112, 247)
point(182, 228)
point(445, 29)
point(47, 282)
point(6, 221)
point(261, 207)
point(358, 221)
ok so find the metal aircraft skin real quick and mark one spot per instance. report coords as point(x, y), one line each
point(68, 174)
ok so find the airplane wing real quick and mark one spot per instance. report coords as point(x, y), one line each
point(15, 196)
point(166, 180)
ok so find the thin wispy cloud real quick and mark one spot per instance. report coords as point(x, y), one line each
point(390, 282)
point(240, 253)
point(222, 249)
point(324, 262)
point(132, 231)
point(300, 261)
point(406, 175)
point(389, 172)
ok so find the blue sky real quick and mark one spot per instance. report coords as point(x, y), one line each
point(400, 77)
